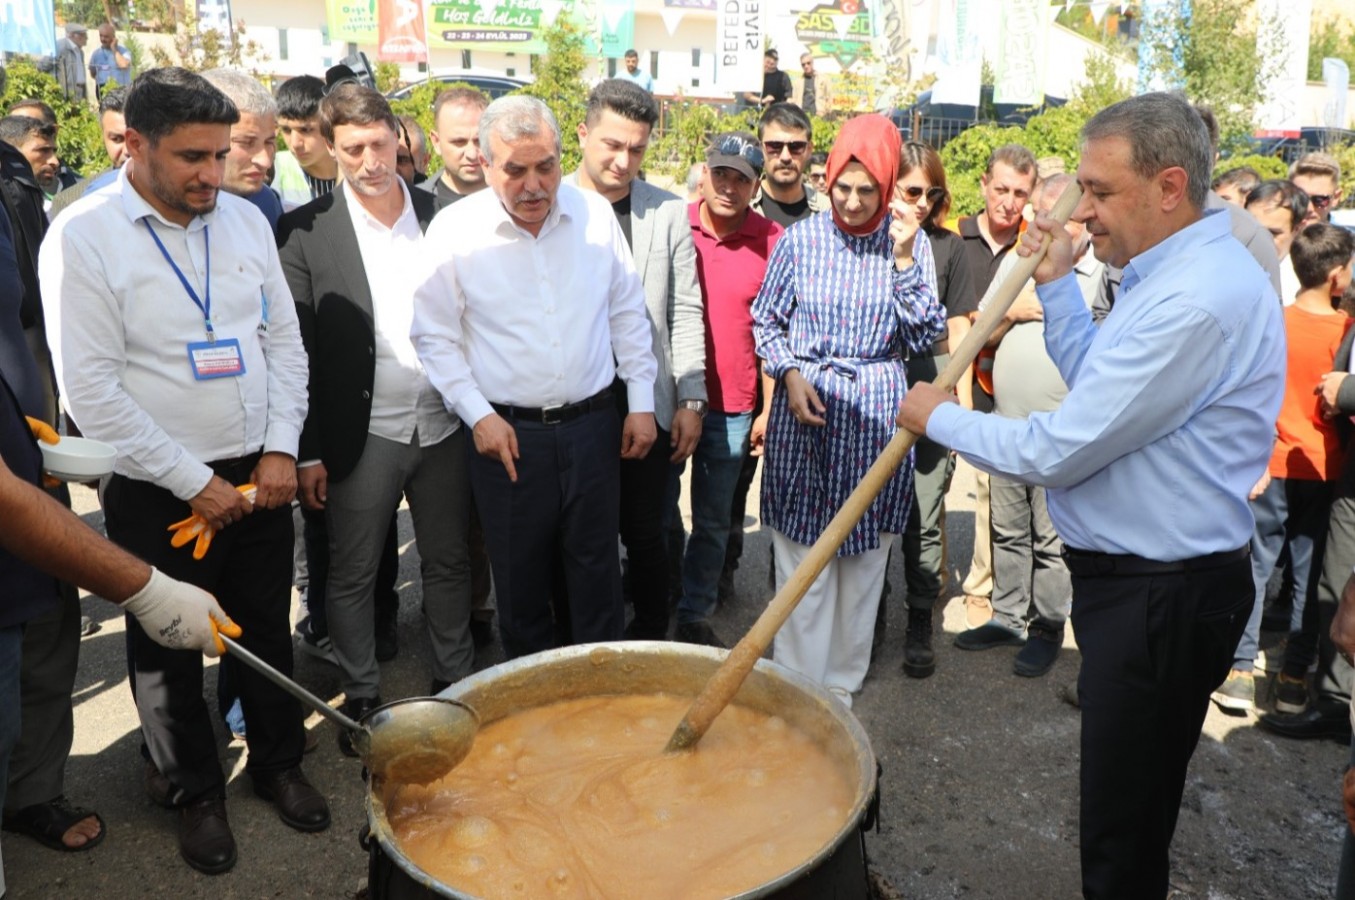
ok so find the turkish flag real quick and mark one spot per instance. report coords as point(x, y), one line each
point(400, 31)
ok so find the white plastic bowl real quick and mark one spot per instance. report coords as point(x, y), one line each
point(78, 459)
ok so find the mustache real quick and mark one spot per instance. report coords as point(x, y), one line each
point(528, 196)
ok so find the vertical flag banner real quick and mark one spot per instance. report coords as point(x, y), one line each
point(1280, 113)
point(351, 21)
point(400, 31)
point(618, 26)
point(889, 37)
point(1336, 74)
point(739, 29)
point(28, 26)
point(1022, 50)
point(959, 54)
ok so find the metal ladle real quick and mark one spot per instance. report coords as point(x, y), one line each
point(412, 741)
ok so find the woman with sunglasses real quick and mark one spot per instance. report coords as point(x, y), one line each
point(846, 297)
point(922, 188)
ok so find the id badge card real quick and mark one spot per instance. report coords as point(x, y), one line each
point(216, 359)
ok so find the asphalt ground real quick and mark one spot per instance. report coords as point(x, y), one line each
point(979, 791)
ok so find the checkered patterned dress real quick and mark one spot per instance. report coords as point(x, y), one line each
point(833, 306)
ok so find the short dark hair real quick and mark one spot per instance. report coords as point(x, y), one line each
point(629, 53)
point(459, 96)
point(788, 116)
point(1015, 155)
point(817, 158)
point(1283, 194)
point(770, 53)
point(45, 111)
point(1317, 250)
point(114, 100)
point(1211, 124)
point(353, 104)
point(16, 130)
point(625, 98)
point(1244, 178)
point(163, 99)
point(299, 97)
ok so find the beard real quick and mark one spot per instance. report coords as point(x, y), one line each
point(176, 198)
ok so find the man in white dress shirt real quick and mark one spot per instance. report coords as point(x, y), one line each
point(529, 308)
point(376, 429)
point(190, 363)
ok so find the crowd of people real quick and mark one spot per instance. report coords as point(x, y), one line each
point(533, 358)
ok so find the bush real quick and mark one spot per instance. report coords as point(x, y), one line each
point(1268, 167)
point(79, 143)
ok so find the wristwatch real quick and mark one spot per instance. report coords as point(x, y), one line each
point(697, 406)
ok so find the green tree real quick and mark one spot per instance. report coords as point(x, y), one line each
point(196, 48)
point(1329, 37)
point(559, 84)
point(1220, 55)
point(1102, 87)
point(1268, 167)
point(419, 104)
point(79, 144)
point(966, 157)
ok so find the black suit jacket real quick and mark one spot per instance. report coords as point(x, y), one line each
point(323, 266)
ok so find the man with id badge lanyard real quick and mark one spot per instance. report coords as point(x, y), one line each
point(179, 345)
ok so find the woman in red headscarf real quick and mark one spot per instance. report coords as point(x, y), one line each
point(847, 295)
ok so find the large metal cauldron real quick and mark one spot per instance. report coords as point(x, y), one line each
point(837, 870)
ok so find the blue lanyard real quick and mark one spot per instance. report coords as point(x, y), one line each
point(206, 307)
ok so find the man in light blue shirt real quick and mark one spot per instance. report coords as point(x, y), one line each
point(1148, 462)
point(634, 74)
point(111, 64)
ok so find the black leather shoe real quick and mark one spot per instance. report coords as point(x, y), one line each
point(1325, 721)
point(299, 804)
point(988, 636)
point(205, 839)
point(387, 645)
point(698, 633)
point(354, 709)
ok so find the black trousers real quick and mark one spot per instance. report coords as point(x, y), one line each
point(1153, 648)
point(644, 487)
point(565, 507)
point(249, 571)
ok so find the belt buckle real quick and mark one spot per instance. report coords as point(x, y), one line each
point(553, 416)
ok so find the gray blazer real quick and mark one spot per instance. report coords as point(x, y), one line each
point(665, 258)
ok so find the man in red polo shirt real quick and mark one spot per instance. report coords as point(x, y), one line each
point(733, 244)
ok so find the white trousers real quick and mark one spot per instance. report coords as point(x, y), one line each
point(827, 638)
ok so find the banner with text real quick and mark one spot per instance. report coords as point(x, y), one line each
point(739, 30)
point(617, 26)
point(1280, 112)
point(28, 26)
point(400, 32)
point(1023, 47)
point(890, 43)
point(352, 21)
point(503, 26)
point(959, 53)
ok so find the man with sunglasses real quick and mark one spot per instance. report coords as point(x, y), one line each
point(1319, 176)
point(733, 244)
point(787, 141)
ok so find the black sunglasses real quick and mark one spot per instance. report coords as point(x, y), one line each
point(795, 147)
point(913, 194)
point(1321, 201)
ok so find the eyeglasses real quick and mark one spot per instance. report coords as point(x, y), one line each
point(1321, 201)
point(795, 147)
point(733, 145)
point(818, 176)
point(913, 194)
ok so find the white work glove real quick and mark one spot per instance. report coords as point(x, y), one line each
point(179, 616)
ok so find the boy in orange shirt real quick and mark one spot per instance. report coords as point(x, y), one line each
point(1292, 500)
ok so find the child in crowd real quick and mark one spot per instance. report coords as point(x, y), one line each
point(1291, 501)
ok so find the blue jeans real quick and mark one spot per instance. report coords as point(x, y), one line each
point(1290, 512)
point(715, 473)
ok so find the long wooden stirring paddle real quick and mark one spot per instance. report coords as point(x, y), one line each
point(725, 683)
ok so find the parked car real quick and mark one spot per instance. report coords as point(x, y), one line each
point(1311, 138)
point(937, 123)
point(492, 84)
